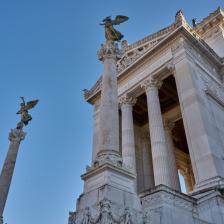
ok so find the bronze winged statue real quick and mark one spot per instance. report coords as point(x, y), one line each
point(24, 107)
point(112, 34)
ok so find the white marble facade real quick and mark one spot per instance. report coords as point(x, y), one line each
point(136, 180)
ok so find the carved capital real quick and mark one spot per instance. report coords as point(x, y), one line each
point(109, 50)
point(151, 83)
point(125, 100)
point(16, 135)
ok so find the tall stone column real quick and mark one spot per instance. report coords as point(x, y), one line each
point(109, 120)
point(15, 137)
point(128, 139)
point(160, 155)
point(168, 125)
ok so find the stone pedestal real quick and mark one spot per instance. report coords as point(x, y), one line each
point(15, 137)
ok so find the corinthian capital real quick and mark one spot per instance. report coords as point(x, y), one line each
point(16, 135)
point(109, 50)
point(125, 100)
point(151, 83)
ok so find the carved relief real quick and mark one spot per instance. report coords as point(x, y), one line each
point(106, 215)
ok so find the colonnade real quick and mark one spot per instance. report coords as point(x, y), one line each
point(162, 147)
point(163, 158)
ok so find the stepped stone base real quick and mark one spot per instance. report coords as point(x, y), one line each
point(109, 204)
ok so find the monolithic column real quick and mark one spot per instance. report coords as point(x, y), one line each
point(15, 137)
point(168, 125)
point(158, 141)
point(109, 121)
point(128, 139)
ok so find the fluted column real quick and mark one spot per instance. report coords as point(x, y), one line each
point(168, 126)
point(128, 140)
point(109, 120)
point(15, 137)
point(157, 134)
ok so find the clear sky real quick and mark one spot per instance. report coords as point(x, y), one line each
point(48, 51)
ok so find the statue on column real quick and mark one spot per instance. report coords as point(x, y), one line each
point(16, 135)
point(111, 34)
point(24, 107)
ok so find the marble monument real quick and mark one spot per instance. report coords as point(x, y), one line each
point(158, 116)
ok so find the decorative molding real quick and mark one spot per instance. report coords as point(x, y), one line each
point(108, 156)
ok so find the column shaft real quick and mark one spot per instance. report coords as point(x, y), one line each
point(109, 123)
point(128, 141)
point(173, 167)
point(158, 141)
point(15, 136)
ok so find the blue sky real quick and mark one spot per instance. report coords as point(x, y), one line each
point(48, 51)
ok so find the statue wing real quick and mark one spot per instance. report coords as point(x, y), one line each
point(119, 19)
point(31, 104)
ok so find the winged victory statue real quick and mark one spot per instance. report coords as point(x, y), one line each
point(24, 107)
point(111, 34)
